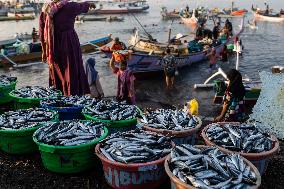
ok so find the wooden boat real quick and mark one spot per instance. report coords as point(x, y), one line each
point(169, 15)
point(120, 7)
point(24, 11)
point(269, 18)
point(141, 62)
point(35, 53)
point(190, 21)
point(108, 19)
point(6, 18)
point(143, 44)
point(114, 19)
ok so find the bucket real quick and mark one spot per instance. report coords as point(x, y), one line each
point(4, 92)
point(67, 113)
point(68, 159)
point(133, 176)
point(178, 137)
point(18, 141)
point(260, 160)
point(178, 184)
point(116, 126)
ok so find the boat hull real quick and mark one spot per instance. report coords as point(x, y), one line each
point(118, 11)
point(268, 18)
point(144, 63)
point(19, 15)
point(190, 21)
point(36, 56)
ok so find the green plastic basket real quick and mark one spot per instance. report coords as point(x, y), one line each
point(4, 92)
point(26, 103)
point(20, 141)
point(69, 159)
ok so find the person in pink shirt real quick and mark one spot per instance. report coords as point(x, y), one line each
point(125, 82)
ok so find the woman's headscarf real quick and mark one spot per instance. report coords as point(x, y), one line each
point(91, 71)
point(50, 9)
point(236, 86)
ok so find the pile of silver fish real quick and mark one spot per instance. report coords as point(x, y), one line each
point(242, 138)
point(69, 133)
point(209, 168)
point(69, 101)
point(112, 110)
point(6, 80)
point(36, 92)
point(135, 146)
point(169, 119)
point(23, 119)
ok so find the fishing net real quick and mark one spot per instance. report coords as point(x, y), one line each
point(269, 109)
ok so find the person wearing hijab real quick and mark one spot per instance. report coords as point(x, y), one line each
point(61, 46)
point(93, 79)
point(233, 105)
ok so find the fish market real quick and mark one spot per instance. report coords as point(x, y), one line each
point(23, 119)
point(112, 110)
point(135, 147)
point(169, 119)
point(69, 133)
point(36, 92)
point(246, 138)
point(208, 167)
point(6, 80)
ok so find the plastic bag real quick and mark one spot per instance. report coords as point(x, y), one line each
point(192, 107)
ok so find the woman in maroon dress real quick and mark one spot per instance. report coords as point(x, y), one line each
point(61, 46)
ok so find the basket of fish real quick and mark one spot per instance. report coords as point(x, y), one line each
point(206, 167)
point(119, 115)
point(7, 84)
point(179, 125)
point(134, 159)
point(245, 139)
point(68, 107)
point(17, 128)
point(29, 97)
point(67, 146)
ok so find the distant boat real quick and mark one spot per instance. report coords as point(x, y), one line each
point(106, 18)
point(33, 51)
point(24, 11)
point(120, 7)
point(169, 15)
point(261, 16)
point(193, 20)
